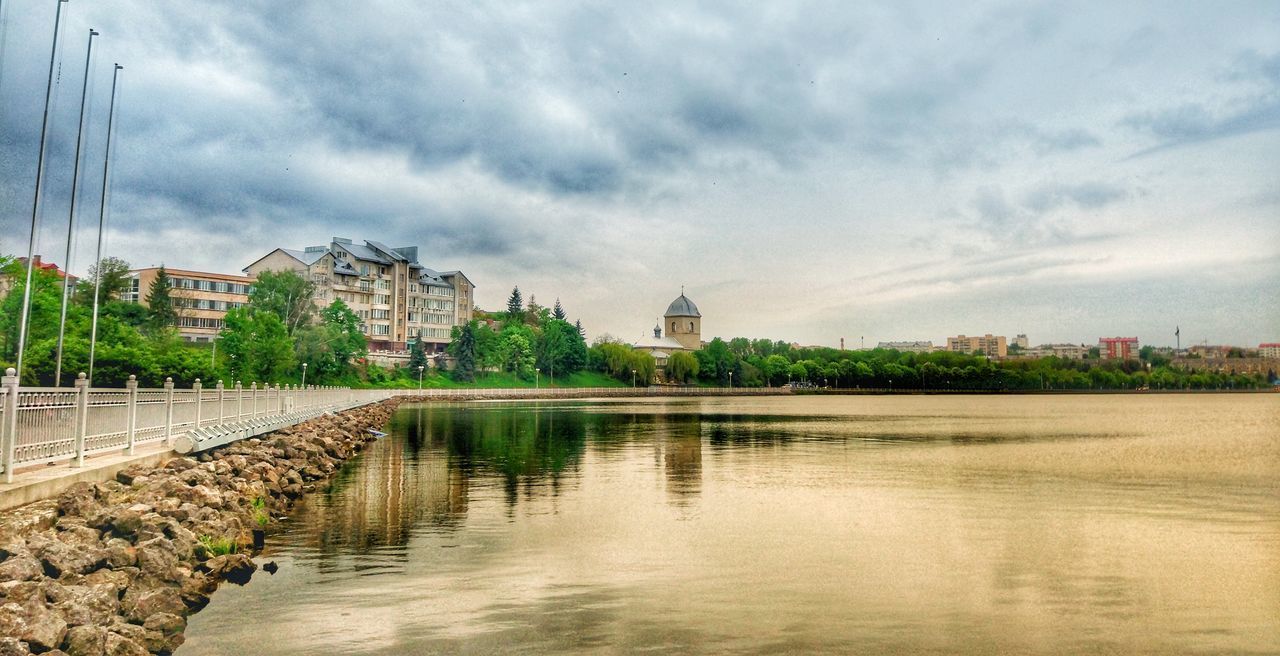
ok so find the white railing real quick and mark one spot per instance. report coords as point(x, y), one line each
point(45, 425)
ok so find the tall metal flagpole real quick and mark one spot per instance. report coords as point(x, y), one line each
point(102, 222)
point(71, 218)
point(35, 206)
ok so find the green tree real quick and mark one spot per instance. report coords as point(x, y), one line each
point(417, 357)
point(255, 345)
point(160, 311)
point(46, 302)
point(557, 312)
point(287, 295)
point(343, 327)
point(463, 349)
point(561, 349)
point(114, 275)
point(515, 305)
point(516, 349)
point(682, 367)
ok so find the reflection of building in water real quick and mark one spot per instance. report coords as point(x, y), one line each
point(678, 442)
point(395, 485)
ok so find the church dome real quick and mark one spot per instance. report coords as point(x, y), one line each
point(682, 307)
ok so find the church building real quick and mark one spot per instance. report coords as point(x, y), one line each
point(683, 325)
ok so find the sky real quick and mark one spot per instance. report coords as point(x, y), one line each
point(807, 171)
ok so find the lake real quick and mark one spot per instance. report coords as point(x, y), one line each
point(868, 524)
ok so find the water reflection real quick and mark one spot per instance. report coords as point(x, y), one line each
point(1071, 525)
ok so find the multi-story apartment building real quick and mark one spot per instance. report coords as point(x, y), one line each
point(908, 347)
point(1269, 350)
point(201, 299)
point(1021, 341)
point(1117, 348)
point(1064, 351)
point(399, 301)
point(993, 346)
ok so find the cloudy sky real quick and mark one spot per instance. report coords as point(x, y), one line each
point(808, 171)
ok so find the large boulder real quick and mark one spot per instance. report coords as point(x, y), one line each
point(89, 604)
point(85, 641)
point(196, 589)
point(80, 500)
point(158, 559)
point(21, 567)
point(118, 645)
point(236, 568)
point(10, 646)
point(74, 551)
point(139, 603)
point(164, 632)
point(34, 624)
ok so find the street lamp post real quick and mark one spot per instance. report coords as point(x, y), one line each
point(537, 380)
point(633, 379)
point(304, 375)
point(420, 368)
point(102, 224)
point(71, 216)
point(35, 206)
point(730, 380)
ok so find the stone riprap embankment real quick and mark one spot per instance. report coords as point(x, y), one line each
point(116, 567)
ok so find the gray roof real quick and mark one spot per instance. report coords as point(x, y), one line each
point(682, 307)
point(430, 277)
point(366, 253)
point(657, 343)
point(306, 257)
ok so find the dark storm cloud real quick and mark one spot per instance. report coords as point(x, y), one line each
point(1254, 110)
point(613, 145)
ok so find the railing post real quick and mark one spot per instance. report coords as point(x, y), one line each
point(82, 416)
point(168, 409)
point(239, 401)
point(131, 413)
point(222, 393)
point(9, 429)
point(253, 395)
point(279, 401)
point(196, 388)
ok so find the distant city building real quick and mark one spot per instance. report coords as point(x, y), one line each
point(1021, 341)
point(398, 300)
point(1118, 348)
point(200, 299)
point(1269, 350)
point(683, 324)
point(6, 284)
point(908, 347)
point(993, 346)
point(1064, 351)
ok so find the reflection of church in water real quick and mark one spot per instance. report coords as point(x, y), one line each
point(677, 447)
point(683, 325)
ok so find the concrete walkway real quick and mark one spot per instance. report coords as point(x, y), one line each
point(47, 481)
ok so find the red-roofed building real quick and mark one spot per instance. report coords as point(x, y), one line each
point(6, 284)
point(1269, 350)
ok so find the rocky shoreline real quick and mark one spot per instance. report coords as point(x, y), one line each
point(115, 568)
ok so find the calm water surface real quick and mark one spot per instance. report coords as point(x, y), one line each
point(1081, 524)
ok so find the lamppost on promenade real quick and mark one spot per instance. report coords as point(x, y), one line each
point(71, 216)
point(35, 205)
point(304, 375)
point(730, 380)
point(420, 368)
point(633, 379)
point(537, 380)
point(102, 225)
